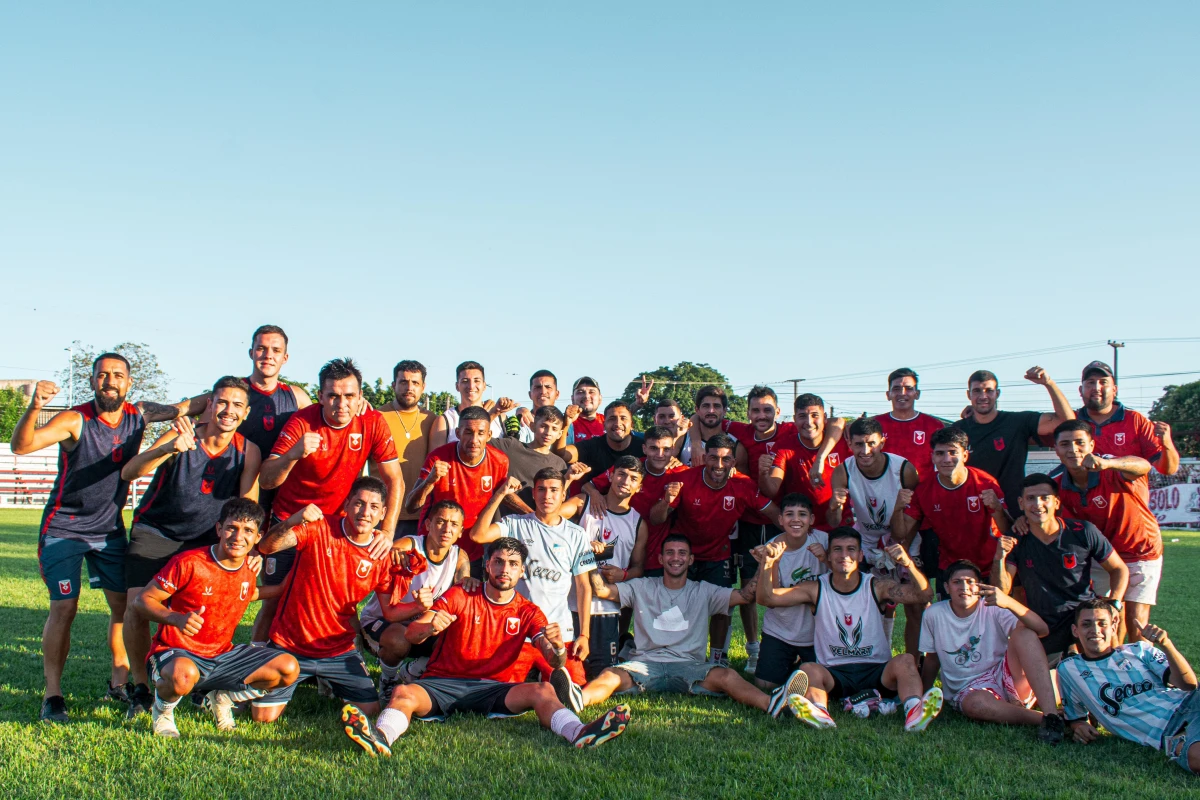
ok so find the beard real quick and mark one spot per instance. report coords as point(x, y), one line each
point(404, 404)
point(108, 403)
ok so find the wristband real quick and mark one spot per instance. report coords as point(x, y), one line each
point(624, 575)
point(1116, 604)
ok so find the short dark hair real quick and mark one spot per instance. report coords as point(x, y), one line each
point(368, 483)
point(615, 404)
point(959, 566)
point(506, 543)
point(466, 365)
point(231, 382)
point(474, 414)
point(864, 426)
point(950, 435)
point(675, 537)
point(845, 532)
point(720, 441)
point(114, 357)
point(549, 412)
point(339, 369)
point(1039, 479)
point(808, 400)
point(712, 390)
point(408, 366)
point(793, 499)
point(656, 432)
point(903, 372)
point(668, 402)
point(543, 373)
point(982, 376)
point(240, 509)
point(1095, 604)
point(445, 505)
point(759, 392)
point(1072, 425)
point(263, 329)
point(629, 463)
point(548, 474)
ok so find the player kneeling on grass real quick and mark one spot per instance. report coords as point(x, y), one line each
point(853, 653)
point(986, 643)
point(481, 633)
point(1144, 692)
point(198, 599)
point(670, 631)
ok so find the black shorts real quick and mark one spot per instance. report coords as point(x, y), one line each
point(851, 679)
point(407, 527)
point(467, 696)
point(718, 572)
point(226, 671)
point(927, 551)
point(604, 642)
point(477, 569)
point(1060, 637)
point(149, 552)
point(372, 633)
point(277, 566)
point(347, 675)
point(777, 659)
point(750, 536)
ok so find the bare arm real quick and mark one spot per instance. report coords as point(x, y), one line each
point(1181, 676)
point(637, 558)
point(929, 670)
point(1002, 571)
point(767, 591)
point(151, 605)
point(837, 503)
point(1130, 467)
point(1168, 462)
point(1062, 408)
point(302, 398)
point(995, 597)
point(282, 536)
point(915, 593)
point(485, 530)
point(277, 467)
point(161, 412)
point(1118, 575)
point(833, 434)
point(63, 426)
point(439, 434)
point(152, 458)
point(770, 481)
point(249, 480)
point(389, 472)
point(425, 486)
point(601, 589)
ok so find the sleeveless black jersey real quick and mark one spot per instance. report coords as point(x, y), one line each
point(88, 494)
point(269, 412)
point(185, 498)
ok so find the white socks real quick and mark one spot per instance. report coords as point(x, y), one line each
point(387, 671)
point(751, 648)
point(390, 724)
point(161, 706)
point(566, 724)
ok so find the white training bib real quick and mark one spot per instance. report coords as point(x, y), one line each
point(874, 500)
point(849, 627)
point(618, 530)
point(439, 577)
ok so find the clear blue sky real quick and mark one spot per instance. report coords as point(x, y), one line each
point(781, 190)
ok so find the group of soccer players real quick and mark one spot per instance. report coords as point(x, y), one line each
point(501, 559)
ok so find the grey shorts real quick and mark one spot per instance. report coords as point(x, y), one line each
point(680, 677)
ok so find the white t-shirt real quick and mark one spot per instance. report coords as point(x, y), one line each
point(671, 625)
point(437, 576)
point(794, 624)
point(618, 530)
point(967, 646)
point(873, 500)
point(556, 556)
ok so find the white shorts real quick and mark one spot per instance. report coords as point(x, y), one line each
point(1143, 581)
point(997, 681)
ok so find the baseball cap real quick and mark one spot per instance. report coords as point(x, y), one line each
point(1098, 366)
point(585, 381)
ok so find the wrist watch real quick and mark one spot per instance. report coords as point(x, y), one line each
point(1116, 603)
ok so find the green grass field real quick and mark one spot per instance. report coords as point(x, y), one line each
point(676, 746)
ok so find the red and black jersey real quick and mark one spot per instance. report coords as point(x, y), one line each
point(796, 460)
point(747, 436)
point(1119, 508)
point(184, 500)
point(909, 439)
point(268, 413)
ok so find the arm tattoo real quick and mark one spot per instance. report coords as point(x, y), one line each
point(157, 412)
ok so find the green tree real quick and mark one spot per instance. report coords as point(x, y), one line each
point(309, 389)
point(380, 394)
point(438, 402)
point(680, 383)
point(1180, 408)
point(12, 406)
point(149, 381)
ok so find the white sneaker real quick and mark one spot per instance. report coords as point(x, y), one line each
point(751, 663)
point(411, 671)
point(163, 724)
point(221, 706)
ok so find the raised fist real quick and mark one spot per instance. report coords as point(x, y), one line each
point(765, 463)
point(505, 404)
point(577, 471)
point(572, 413)
point(671, 491)
point(990, 499)
point(424, 596)
point(310, 444)
point(510, 486)
point(441, 620)
point(903, 498)
point(899, 555)
point(437, 471)
point(43, 393)
point(186, 438)
point(1007, 543)
point(1037, 375)
point(190, 622)
point(311, 513)
point(1163, 431)
point(840, 496)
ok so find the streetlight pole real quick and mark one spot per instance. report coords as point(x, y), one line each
point(70, 376)
point(1115, 345)
point(795, 382)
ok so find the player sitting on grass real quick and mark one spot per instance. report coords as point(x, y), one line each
point(198, 599)
point(986, 643)
point(480, 636)
point(1144, 692)
point(853, 653)
point(670, 629)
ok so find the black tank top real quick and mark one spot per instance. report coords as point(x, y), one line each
point(185, 498)
point(268, 414)
point(88, 494)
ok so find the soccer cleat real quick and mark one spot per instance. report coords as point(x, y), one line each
point(140, 700)
point(358, 728)
point(862, 704)
point(386, 687)
point(1052, 730)
point(797, 683)
point(163, 724)
point(609, 726)
point(411, 671)
point(810, 712)
point(117, 693)
point(918, 717)
point(565, 689)
point(54, 709)
point(221, 706)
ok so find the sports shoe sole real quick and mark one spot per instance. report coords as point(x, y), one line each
point(931, 704)
point(797, 683)
point(610, 726)
point(807, 711)
point(565, 689)
point(358, 728)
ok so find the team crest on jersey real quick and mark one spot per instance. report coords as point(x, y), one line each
point(269, 567)
point(64, 587)
point(848, 619)
point(118, 452)
point(998, 443)
point(208, 592)
point(834, 459)
point(268, 422)
point(973, 502)
point(512, 626)
point(486, 483)
point(206, 485)
point(356, 441)
point(1118, 438)
point(364, 568)
point(607, 534)
point(1100, 501)
point(728, 502)
point(245, 591)
point(771, 448)
point(874, 501)
point(1069, 561)
point(918, 437)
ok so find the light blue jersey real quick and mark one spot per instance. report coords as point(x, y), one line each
point(1126, 691)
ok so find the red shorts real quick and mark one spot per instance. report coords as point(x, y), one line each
point(531, 657)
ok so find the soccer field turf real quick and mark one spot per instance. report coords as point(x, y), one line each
point(675, 746)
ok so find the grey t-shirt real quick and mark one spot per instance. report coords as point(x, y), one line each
point(523, 464)
point(671, 624)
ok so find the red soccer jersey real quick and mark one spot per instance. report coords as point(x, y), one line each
point(324, 477)
point(796, 458)
point(648, 495)
point(756, 448)
point(1126, 433)
point(909, 439)
point(330, 577)
point(585, 429)
point(486, 638)
point(963, 524)
point(197, 582)
point(706, 516)
point(1118, 508)
point(470, 487)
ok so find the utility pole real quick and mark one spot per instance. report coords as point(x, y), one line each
point(1115, 345)
point(70, 376)
point(795, 382)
